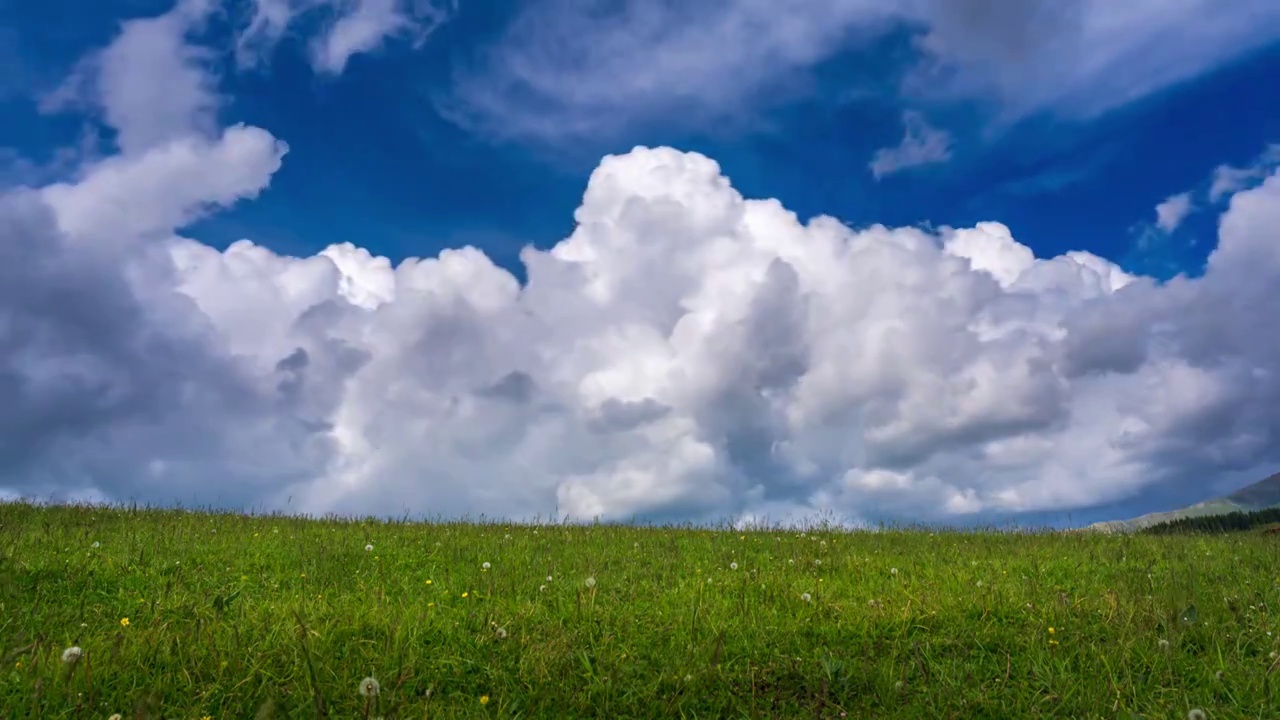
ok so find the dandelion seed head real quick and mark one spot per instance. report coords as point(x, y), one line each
point(72, 655)
point(368, 548)
point(806, 597)
point(1163, 644)
point(96, 544)
point(893, 571)
point(733, 566)
point(542, 588)
point(548, 578)
point(485, 566)
point(1196, 714)
point(501, 633)
point(369, 687)
point(590, 582)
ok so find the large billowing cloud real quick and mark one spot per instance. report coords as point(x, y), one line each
point(685, 352)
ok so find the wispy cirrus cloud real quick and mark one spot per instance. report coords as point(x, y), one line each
point(921, 144)
point(567, 71)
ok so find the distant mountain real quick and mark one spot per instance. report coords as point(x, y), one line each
point(1258, 496)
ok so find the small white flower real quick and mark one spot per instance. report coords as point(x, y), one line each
point(791, 561)
point(369, 687)
point(893, 571)
point(501, 633)
point(542, 588)
point(548, 578)
point(484, 566)
point(733, 566)
point(72, 655)
point(590, 582)
point(688, 678)
point(979, 583)
point(1196, 714)
point(806, 597)
point(506, 537)
point(96, 544)
point(369, 548)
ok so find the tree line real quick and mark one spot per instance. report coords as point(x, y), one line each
point(1234, 521)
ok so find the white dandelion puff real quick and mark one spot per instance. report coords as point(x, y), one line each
point(893, 571)
point(368, 548)
point(484, 566)
point(548, 578)
point(1163, 644)
point(96, 544)
point(1196, 714)
point(72, 655)
point(542, 588)
point(806, 597)
point(590, 582)
point(501, 633)
point(369, 687)
point(733, 566)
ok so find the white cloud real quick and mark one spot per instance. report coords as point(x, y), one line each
point(564, 71)
point(921, 145)
point(355, 27)
point(1228, 179)
point(1171, 212)
point(150, 84)
point(685, 353)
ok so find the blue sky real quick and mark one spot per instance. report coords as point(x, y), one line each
point(417, 127)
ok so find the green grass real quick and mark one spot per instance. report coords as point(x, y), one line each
point(231, 615)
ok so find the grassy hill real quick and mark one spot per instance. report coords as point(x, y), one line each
point(1258, 496)
point(189, 615)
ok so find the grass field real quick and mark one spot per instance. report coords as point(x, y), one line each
point(189, 615)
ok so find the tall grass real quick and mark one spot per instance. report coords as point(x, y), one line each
point(192, 615)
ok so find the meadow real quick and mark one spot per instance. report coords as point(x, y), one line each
point(177, 614)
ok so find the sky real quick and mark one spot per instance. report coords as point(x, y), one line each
point(896, 261)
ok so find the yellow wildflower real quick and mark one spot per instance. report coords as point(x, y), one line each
point(484, 699)
point(124, 622)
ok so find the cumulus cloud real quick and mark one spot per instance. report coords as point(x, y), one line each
point(564, 71)
point(684, 353)
point(921, 144)
point(1171, 212)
